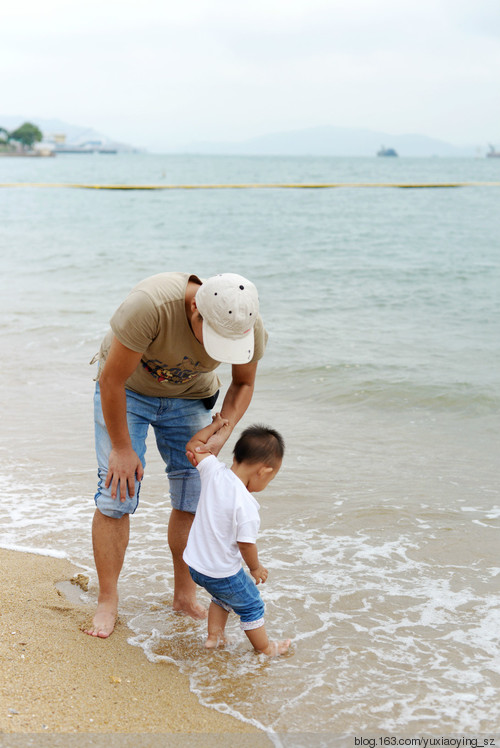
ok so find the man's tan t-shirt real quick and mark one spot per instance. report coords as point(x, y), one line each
point(152, 320)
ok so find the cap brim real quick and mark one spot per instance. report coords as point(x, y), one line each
point(228, 350)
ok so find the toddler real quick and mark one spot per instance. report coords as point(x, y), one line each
point(225, 529)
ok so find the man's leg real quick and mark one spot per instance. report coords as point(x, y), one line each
point(110, 539)
point(184, 588)
point(110, 527)
point(174, 427)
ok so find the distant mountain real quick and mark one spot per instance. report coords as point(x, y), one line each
point(333, 141)
point(313, 141)
point(75, 134)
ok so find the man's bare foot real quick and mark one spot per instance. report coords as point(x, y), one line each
point(104, 621)
point(190, 608)
point(276, 648)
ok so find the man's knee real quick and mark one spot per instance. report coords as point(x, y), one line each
point(114, 508)
point(185, 489)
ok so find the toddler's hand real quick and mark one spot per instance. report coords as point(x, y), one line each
point(219, 421)
point(259, 574)
point(221, 432)
point(193, 450)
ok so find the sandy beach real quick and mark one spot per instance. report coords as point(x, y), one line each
point(60, 686)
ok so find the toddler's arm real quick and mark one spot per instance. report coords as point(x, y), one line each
point(251, 558)
point(193, 452)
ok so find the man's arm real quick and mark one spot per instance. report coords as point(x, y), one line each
point(251, 558)
point(238, 398)
point(124, 463)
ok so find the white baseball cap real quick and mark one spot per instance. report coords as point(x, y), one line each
point(229, 305)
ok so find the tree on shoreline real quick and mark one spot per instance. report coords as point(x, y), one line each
point(27, 134)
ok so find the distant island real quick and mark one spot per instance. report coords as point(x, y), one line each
point(28, 140)
point(53, 137)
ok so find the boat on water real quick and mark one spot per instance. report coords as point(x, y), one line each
point(492, 153)
point(387, 152)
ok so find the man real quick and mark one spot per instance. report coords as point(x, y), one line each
point(156, 367)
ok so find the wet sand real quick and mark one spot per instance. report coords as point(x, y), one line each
point(54, 679)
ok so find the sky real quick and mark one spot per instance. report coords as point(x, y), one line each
point(159, 74)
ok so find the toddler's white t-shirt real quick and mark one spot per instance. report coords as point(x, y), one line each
point(227, 513)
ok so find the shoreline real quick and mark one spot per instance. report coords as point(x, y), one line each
point(57, 680)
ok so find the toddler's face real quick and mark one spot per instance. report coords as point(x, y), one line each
point(262, 478)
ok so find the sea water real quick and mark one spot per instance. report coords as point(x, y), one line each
point(381, 531)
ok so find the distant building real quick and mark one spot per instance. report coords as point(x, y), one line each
point(58, 142)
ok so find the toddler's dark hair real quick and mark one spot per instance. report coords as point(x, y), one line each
point(259, 444)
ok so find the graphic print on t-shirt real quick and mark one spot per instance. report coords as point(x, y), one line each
point(185, 371)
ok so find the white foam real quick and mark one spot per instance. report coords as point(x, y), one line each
point(360, 597)
point(38, 551)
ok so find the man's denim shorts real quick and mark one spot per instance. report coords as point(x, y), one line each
point(238, 593)
point(174, 421)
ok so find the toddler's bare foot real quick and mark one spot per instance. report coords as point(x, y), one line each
point(276, 648)
point(213, 642)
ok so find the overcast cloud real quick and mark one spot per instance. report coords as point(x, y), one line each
point(159, 74)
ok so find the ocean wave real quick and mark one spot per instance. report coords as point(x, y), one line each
point(355, 386)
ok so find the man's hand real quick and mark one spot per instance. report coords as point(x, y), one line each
point(124, 467)
point(236, 402)
point(259, 574)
